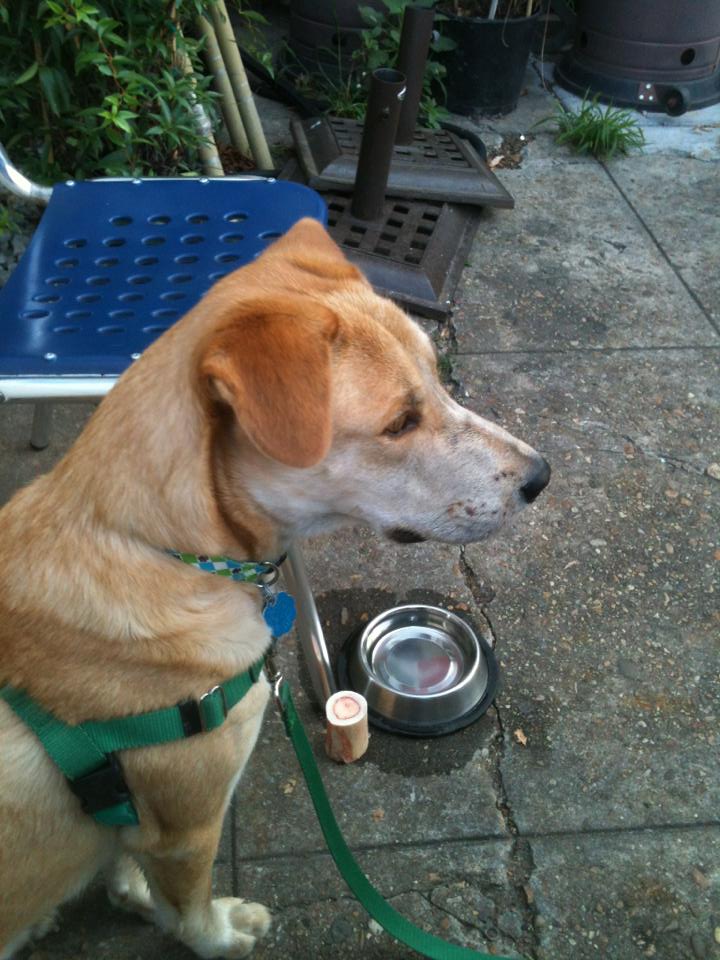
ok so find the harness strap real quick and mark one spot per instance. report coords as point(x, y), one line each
point(85, 752)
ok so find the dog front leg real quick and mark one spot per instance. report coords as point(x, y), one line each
point(181, 883)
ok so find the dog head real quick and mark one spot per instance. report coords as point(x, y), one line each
point(329, 408)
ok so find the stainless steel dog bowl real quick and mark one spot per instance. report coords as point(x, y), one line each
point(422, 670)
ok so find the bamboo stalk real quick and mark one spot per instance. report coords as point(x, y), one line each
point(233, 120)
point(528, 11)
point(239, 81)
point(208, 149)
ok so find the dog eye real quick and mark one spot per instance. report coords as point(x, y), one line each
point(402, 424)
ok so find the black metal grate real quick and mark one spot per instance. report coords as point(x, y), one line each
point(403, 235)
point(438, 165)
point(414, 253)
point(437, 146)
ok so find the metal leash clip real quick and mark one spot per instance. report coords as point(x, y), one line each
point(266, 580)
point(274, 677)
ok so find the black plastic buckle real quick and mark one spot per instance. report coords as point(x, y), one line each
point(101, 788)
point(190, 717)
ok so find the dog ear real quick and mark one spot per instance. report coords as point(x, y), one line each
point(309, 247)
point(272, 366)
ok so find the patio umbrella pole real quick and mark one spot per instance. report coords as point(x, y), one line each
point(415, 39)
point(230, 110)
point(387, 90)
point(240, 85)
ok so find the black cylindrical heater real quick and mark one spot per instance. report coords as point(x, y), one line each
point(649, 54)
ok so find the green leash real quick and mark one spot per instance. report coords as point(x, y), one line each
point(367, 895)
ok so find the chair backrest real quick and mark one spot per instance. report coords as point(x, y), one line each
point(113, 263)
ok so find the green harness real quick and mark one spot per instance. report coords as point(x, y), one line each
point(86, 752)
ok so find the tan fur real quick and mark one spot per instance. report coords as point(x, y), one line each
point(260, 417)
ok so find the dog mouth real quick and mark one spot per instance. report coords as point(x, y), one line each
point(403, 535)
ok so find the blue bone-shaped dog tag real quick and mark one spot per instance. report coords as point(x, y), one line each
point(279, 613)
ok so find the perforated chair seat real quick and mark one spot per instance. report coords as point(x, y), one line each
point(113, 264)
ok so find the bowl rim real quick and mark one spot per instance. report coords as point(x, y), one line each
point(465, 627)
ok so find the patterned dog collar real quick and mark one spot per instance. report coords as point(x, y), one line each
point(278, 607)
point(243, 571)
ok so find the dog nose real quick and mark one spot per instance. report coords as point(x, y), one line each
point(537, 481)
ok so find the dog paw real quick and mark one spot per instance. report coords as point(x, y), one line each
point(233, 930)
point(127, 889)
point(252, 918)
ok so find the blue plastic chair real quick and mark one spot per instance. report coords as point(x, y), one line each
point(113, 263)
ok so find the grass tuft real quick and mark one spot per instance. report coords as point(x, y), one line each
point(601, 132)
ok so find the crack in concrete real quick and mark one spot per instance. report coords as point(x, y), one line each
point(678, 463)
point(482, 594)
point(234, 851)
point(447, 346)
point(463, 921)
point(521, 863)
point(564, 351)
point(674, 461)
point(488, 929)
point(631, 829)
point(447, 334)
point(666, 459)
point(683, 463)
point(347, 897)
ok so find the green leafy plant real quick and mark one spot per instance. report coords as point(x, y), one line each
point(343, 91)
point(592, 129)
point(254, 40)
point(8, 222)
point(345, 97)
point(98, 87)
point(380, 47)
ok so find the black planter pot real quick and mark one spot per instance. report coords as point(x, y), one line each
point(485, 72)
point(650, 54)
point(325, 33)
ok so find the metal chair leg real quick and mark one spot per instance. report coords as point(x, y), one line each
point(41, 426)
